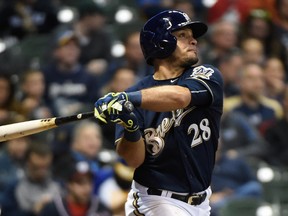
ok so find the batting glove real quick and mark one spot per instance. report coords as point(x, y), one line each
point(127, 119)
point(103, 106)
point(124, 116)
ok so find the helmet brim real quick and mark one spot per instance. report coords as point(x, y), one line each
point(198, 28)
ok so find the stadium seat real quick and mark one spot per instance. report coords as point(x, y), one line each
point(276, 191)
point(240, 207)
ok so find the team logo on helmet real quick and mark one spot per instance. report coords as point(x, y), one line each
point(167, 23)
point(188, 20)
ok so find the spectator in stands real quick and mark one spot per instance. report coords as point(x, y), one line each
point(230, 66)
point(149, 8)
point(259, 110)
point(10, 110)
point(259, 25)
point(277, 136)
point(235, 11)
point(94, 40)
point(186, 6)
point(222, 39)
point(27, 196)
point(280, 20)
point(238, 135)
point(86, 144)
point(12, 157)
point(114, 190)
point(232, 179)
point(78, 198)
point(32, 102)
point(275, 77)
point(122, 79)
point(69, 87)
point(133, 59)
point(253, 51)
point(20, 18)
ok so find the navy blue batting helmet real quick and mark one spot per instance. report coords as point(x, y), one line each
point(156, 39)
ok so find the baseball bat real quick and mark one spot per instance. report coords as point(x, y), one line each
point(21, 129)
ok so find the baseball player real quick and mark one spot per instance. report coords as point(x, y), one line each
point(171, 136)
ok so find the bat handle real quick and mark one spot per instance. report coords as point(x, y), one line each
point(72, 118)
point(128, 106)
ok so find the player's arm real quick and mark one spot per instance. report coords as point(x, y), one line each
point(159, 98)
point(114, 108)
point(133, 152)
point(164, 98)
point(169, 98)
point(130, 146)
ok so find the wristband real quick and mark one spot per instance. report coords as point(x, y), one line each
point(135, 97)
point(132, 136)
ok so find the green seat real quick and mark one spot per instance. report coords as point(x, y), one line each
point(25, 53)
point(284, 210)
point(276, 192)
point(241, 207)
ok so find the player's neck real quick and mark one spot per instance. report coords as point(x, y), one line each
point(166, 71)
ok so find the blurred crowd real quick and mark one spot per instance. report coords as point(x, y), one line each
point(55, 67)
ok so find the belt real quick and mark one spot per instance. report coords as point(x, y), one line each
point(191, 199)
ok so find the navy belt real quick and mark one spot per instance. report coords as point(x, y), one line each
point(191, 199)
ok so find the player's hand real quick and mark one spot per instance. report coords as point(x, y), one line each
point(122, 113)
point(103, 106)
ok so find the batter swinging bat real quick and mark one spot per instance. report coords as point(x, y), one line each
point(21, 129)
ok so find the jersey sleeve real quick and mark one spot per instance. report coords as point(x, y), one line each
point(206, 85)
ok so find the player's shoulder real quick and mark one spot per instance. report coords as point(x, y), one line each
point(146, 82)
point(205, 72)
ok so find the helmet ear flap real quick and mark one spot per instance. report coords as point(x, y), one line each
point(167, 40)
point(160, 45)
point(166, 45)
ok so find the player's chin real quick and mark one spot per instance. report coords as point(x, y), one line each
point(190, 61)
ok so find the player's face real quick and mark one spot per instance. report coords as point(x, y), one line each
point(186, 50)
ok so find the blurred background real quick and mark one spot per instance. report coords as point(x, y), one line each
point(58, 57)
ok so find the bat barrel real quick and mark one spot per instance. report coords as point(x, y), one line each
point(21, 129)
point(16, 130)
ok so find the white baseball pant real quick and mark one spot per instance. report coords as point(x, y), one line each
point(139, 203)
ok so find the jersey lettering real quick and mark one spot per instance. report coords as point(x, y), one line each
point(155, 137)
point(201, 132)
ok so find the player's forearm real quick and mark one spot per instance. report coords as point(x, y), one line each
point(132, 152)
point(165, 98)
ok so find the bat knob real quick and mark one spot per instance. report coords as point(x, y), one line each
point(128, 106)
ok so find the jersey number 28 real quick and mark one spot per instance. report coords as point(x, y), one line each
point(201, 132)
